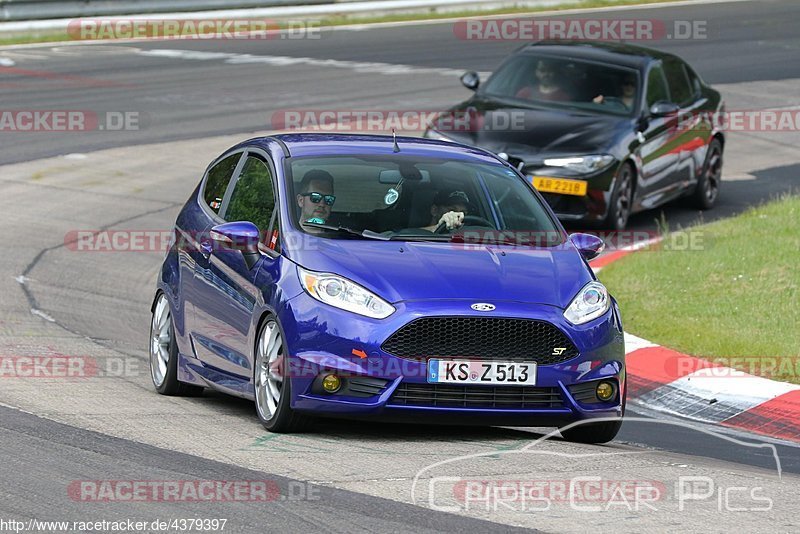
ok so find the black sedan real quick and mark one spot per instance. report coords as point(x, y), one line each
point(602, 130)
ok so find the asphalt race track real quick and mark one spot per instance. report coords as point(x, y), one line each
point(196, 98)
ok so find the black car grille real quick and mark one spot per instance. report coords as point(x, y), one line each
point(566, 204)
point(486, 338)
point(457, 396)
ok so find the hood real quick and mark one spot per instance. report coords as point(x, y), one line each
point(535, 132)
point(400, 271)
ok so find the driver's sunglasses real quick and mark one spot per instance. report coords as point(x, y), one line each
point(317, 197)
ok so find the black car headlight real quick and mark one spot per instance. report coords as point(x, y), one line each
point(582, 164)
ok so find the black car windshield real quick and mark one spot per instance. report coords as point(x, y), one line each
point(561, 82)
point(417, 198)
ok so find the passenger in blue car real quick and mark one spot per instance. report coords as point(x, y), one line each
point(315, 197)
point(449, 209)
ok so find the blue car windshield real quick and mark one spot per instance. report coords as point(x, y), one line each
point(417, 198)
point(566, 83)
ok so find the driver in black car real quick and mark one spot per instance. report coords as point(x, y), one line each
point(627, 94)
point(449, 209)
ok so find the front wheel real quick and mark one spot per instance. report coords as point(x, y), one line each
point(619, 209)
point(164, 353)
point(273, 386)
point(592, 432)
point(705, 196)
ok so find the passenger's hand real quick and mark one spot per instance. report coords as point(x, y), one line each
point(598, 99)
point(452, 219)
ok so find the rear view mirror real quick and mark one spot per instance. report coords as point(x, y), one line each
point(392, 177)
point(471, 80)
point(590, 246)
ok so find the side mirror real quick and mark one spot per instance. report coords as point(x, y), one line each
point(471, 80)
point(241, 235)
point(663, 109)
point(590, 246)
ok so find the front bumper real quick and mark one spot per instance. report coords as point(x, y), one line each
point(377, 385)
point(592, 207)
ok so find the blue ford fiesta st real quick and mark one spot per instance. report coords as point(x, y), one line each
point(391, 279)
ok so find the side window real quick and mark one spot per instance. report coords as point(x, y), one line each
point(682, 93)
point(217, 181)
point(253, 198)
point(694, 82)
point(656, 86)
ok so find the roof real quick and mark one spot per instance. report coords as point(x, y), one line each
point(623, 54)
point(328, 144)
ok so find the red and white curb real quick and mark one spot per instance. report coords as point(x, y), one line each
point(671, 382)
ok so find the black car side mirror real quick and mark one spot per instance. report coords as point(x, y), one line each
point(471, 80)
point(664, 109)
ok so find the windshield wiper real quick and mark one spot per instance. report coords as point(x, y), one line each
point(369, 234)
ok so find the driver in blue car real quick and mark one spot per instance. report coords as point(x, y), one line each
point(449, 209)
point(315, 197)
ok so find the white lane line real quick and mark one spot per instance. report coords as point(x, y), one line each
point(6, 62)
point(284, 61)
point(43, 315)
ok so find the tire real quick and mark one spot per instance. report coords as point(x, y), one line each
point(272, 388)
point(592, 432)
point(164, 353)
point(619, 209)
point(707, 191)
point(596, 432)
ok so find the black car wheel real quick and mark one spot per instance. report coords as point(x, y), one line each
point(164, 353)
point(619, 209)
point(705, 196)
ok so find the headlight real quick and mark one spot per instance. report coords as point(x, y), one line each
point(582, 164)
point(342, 293)
point(433, 134)
point(591, 302)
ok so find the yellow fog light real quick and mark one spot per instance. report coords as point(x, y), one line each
point(331, 383)
point(605, 391)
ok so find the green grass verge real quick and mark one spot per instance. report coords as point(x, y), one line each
point(340, 20)
point(736, 300)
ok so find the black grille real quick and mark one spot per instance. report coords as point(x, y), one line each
point(586, 392)
point(451, 395)
point(488, 338)
point(566, 204)
point(364, 385)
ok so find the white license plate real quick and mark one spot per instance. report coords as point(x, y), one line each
point(478, 372)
